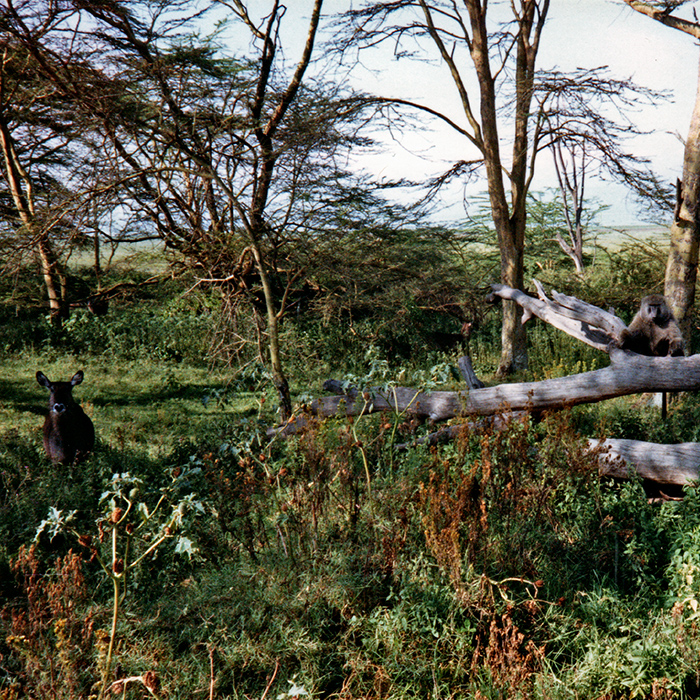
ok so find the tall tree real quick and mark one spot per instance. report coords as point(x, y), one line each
point(584, 126)
point(681, 269)
point(219, 154)
point(500, 51)
point(490, 52)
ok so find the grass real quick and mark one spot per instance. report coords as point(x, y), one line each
point(496, 566)
point(150, 407)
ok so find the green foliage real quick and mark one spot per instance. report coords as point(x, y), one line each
point(480, 567)
point(497, 565)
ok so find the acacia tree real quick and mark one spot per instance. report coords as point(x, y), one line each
point(585, 142)
point(256, 148)
point(220, 155)
point(494, 50)
point(681, 269)
point(512, 106)
point(57, 191)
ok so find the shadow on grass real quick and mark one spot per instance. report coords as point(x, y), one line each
point(23, 396)
point(190, 392)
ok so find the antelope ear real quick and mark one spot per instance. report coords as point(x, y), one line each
point(77, 377)
point(43, 380)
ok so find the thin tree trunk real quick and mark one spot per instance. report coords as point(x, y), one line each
point(21, 189)
point(54, 290)
point(513, 338)
point(279, 378)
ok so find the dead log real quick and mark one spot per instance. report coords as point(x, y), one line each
point(675, 465)
point(469, 375)
point(577, 318)
point(628, 373)
point(664, 464)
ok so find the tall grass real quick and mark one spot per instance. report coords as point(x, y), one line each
point(496, 566)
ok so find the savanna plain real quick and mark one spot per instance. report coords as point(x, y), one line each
point(192, 556)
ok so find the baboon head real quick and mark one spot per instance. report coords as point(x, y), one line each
point(655, 310)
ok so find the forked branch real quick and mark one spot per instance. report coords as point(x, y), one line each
point(579, 319)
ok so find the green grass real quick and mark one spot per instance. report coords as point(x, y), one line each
point(496, 566)
point(151, 407)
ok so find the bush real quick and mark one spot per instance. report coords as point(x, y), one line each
point(498, 565)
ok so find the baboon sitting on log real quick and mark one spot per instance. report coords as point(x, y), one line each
point(654, 330)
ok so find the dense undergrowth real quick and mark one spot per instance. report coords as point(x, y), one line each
point(190, 557)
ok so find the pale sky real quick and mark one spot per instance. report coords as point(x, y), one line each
point(579, 33)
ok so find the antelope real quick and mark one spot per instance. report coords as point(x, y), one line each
point(69, 434)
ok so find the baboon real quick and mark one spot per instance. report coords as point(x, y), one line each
point(654, 330)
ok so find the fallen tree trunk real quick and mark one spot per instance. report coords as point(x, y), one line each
point(628, 373)
point(664, 464)
point(675, 465)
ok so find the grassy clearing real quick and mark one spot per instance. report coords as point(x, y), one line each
point(151, 407)
point(197, 559)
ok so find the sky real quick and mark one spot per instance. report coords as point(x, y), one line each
point(578, 33)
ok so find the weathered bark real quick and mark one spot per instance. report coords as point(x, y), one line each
point(467, 371)
point(583, 321)
point(676, 464)
point(682, 266)
point(665, 464)
point(681, 269)
point(629, 373)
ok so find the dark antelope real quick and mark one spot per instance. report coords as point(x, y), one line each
point(68, 433)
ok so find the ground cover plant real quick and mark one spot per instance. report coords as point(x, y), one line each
point(191, 556)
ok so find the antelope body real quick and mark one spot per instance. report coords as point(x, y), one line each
point(69, 434)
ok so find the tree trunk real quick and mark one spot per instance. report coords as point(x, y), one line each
point(55, 290)
point(22, 193)
point(279, 378)
point(665, 464)
point(682, 267)
point(577, 318)
point(681, 270)
point(629, 373)
point(513, 339)
point(508, 221)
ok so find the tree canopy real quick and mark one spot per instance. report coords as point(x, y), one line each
point(128, 119)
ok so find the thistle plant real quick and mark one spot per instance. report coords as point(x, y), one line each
point(128, 533)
